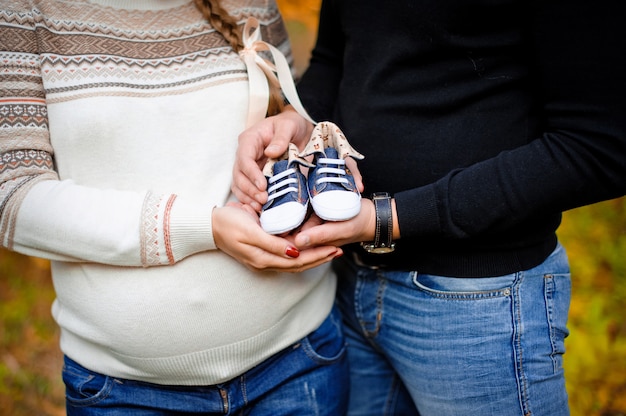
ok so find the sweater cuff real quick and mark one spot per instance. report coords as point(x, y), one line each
point(191, 229)
point(418, 214)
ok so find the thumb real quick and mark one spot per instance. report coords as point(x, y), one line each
point(279, 143)
point(288, 127)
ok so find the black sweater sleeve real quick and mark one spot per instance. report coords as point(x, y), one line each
point(574, 111)
point(580, 158)
point(319, 86)
point(579, 52)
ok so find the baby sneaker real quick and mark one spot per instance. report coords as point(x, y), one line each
point(288, 199)
point(332, 190)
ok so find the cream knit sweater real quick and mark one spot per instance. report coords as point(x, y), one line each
point(118, 129)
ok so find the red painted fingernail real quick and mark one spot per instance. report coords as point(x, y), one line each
point(291, 251)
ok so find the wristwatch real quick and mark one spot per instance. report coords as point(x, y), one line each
point(383, 236)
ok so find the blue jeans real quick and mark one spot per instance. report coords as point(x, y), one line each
point(440, 346)
point(308, 378)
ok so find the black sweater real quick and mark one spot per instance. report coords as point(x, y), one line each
point(484, 118)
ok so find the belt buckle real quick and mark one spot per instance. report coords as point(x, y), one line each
point(357, 260)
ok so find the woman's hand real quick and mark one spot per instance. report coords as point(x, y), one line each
point(237, 232)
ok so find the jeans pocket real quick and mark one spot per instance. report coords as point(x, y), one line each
point(465, 288)
point(326, 345)
point(84, 387)
point(557, 294)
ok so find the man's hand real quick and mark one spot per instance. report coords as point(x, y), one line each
point(316, 233)
point(269, 138)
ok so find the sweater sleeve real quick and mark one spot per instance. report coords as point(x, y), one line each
point(43, 216)
point(580, 157)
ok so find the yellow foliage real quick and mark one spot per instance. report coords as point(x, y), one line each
point(301, 17)
point(304, 11)
point(595, 361)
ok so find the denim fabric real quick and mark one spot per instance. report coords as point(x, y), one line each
point(295, 182)
point(309, 378)
point(333, 192)
point(335, 181)
point(440, 346)
point(288, 199)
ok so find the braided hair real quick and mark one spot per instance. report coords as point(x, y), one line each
point(226, 24)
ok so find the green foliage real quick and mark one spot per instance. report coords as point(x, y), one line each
point(30, 360)
point(595, 361)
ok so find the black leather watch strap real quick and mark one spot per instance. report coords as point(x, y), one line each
point(383, 235)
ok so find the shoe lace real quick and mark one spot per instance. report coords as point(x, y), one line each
point(282, 180)
point(335, 169)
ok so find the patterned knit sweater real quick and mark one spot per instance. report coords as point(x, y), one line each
point(118, 129)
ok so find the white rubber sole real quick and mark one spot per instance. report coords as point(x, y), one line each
point(336, 205)
point(283, 218)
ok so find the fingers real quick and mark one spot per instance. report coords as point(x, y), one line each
point(321, 234)
point(278, 254)
point(241, 237)
point(287, 129)
point(249, 183)
point(245, 207)
point(275, 253)
point(246, 190)
point(267, 139)
point(339, 233)
point(306, 260)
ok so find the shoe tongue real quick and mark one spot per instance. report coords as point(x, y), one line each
point(331, 153)
point(276, 168)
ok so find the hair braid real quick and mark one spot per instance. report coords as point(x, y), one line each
point(221, 21)
point(226, 24)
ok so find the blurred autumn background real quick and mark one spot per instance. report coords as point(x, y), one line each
point(595, 237)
